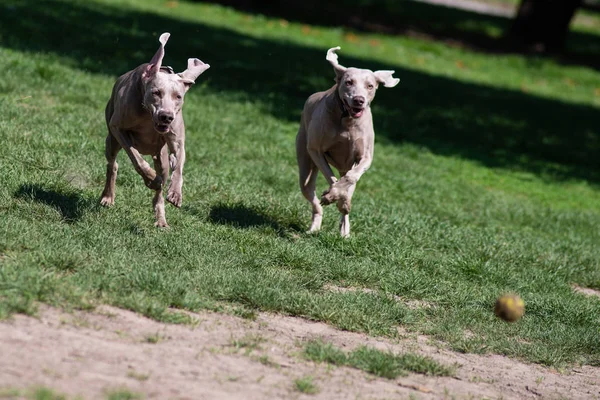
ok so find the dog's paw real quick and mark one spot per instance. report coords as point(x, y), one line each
point(175, 198)
point(327, 198)
point(155, 184)
point(331, 195)
point(162, 224)
point(107, 201)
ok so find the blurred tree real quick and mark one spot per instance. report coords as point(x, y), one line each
point(542, 25)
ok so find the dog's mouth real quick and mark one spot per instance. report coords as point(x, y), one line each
point(162, 128)
point(354, 112)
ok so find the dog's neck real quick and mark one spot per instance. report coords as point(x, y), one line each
point(335, 105)
point(341, 103)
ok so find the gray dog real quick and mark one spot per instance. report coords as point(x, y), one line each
point(336, 129)
point(143, 116)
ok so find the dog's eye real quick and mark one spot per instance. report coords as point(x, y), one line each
point(156, 93)
point(349, 83)
point(179, 97)
point(370, 86)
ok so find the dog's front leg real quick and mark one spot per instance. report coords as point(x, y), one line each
point(343, 189)
point(176, 160)
point(345, 186)
point(319, 159)
point(334, 192)
point(161, 164)
point(151, 179)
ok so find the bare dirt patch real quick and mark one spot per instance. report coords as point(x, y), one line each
point(226, 357)
point(412, 304)
point(586, 291)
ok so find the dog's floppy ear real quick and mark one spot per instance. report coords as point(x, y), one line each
point(386, 78)
point(333, 59)
point(156, 62)
point(194, 69)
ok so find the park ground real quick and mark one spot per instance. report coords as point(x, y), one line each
point(116, 354)
point(485, 181)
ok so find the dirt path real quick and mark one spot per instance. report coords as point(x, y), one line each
point(225, 357)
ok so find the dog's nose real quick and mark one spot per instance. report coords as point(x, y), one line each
point(166, 117)
point(359, 101)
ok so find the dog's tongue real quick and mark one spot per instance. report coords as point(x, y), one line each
point(356, 112)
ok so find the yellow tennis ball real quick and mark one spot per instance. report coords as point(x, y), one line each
point(509, 307)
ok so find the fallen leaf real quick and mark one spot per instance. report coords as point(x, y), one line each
point(351, 37)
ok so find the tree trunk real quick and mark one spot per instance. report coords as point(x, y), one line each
point(542, 25)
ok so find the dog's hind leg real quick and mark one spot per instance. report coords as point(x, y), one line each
point(308, 183)
point(112, 149)
point(161, 165)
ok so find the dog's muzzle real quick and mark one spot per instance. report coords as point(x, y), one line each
point(354, 112)
point(162, 122)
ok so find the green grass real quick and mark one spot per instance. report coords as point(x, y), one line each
point(249, 343)
point(380, 363)
point(33, 393)
point(485, 180)
point(123, 394)
point(46, 394)
point(319, 351)
point(306, 385)
point(154, 338)
point(9, 393)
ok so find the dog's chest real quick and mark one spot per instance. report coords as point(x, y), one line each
point(147, 142)
point(346, 148)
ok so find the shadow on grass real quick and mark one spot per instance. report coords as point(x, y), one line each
point(478, 31)
point(241, 216)
point(498, 128)
point(70, 205)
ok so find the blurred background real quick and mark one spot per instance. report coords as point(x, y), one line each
point(536, 26)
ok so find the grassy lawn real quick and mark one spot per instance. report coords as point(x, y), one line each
point(485, 180)
point(376, 362)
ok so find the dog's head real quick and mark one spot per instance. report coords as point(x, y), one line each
point(356, 87)
point(164, 90)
